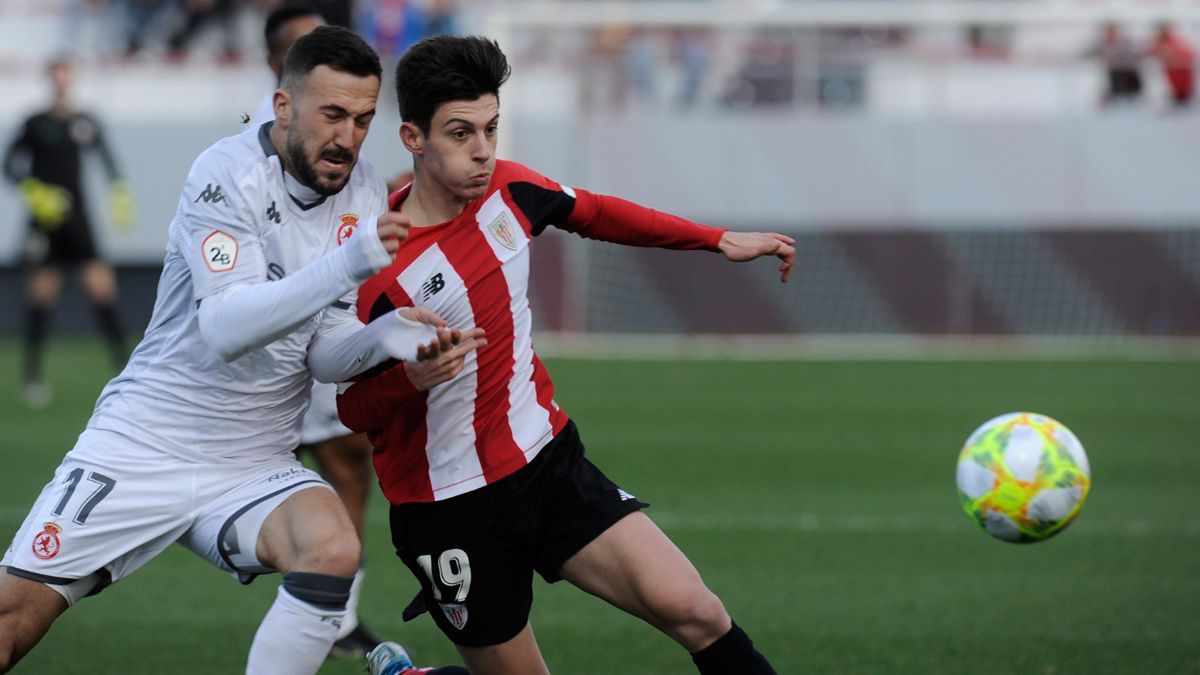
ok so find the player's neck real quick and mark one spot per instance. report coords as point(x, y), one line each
point(430, 204)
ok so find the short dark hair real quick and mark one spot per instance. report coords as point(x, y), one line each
point(332, 46)
point(447, 68)
point(292, 9)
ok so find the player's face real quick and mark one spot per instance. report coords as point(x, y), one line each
point(460, 151)
point(61, 76)
point(326, 123)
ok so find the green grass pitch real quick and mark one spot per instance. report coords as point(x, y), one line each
point(816, 498)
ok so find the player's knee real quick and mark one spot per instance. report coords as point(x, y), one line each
point(337, 554)
point(694, 616)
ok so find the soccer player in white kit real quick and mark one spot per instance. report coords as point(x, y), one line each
point(343, 457)
point(192, 442)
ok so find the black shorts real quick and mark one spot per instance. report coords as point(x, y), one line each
point(69, 244)
point(482, 547)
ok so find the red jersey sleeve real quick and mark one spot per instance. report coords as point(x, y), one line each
point(368, 405)
point(622, 222)
point(544, 202)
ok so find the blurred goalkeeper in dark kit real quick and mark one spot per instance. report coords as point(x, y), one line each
point(44, 162)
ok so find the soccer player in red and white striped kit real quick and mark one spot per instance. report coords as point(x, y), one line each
point(485, 472)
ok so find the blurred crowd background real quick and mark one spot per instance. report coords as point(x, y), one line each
point(950, 167)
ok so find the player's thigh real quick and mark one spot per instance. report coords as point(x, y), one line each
point(99, 280)
point(44, 284)
point(633, 565)
point(518, 656)
point(266, 518)
point(471, 555)
point(111, 506)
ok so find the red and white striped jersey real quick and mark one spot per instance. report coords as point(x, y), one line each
point(499, 412)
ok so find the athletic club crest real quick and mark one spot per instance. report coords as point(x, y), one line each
point(347, 227)
point(501, 229)
point(456, 613)
point(46, 544)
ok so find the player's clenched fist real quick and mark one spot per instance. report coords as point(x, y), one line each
point(393, 229)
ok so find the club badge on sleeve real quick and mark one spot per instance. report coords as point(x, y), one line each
point(220, 251)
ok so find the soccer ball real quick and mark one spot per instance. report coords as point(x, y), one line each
point(1023, 477)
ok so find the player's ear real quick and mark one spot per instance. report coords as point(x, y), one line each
point(412, 138)
point(283, 107)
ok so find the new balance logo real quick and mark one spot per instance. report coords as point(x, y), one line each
point(272, 213)
point(430, 288)
point(211, 195)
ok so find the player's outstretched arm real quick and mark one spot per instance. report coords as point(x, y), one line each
point(745, 246)
point(623, 222)
point(245, 316)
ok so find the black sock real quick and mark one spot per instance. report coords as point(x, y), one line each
point(110, 326)
point(35, 340)
point(732, 654)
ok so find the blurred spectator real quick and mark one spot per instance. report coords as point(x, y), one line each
point(1122, 65)
point(139, 16)
point(641, 65)
point(392, 26)
point(45, 161)
point(197, 14)
point(88, 26)
point(602, 72)
point(693, 49)
point(1178, 60)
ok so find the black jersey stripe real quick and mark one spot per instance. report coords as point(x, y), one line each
point(540, 205)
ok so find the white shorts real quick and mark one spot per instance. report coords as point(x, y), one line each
point(321, 423)
point(114, 504)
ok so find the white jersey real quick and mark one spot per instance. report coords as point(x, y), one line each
point(240, 220)
point(321, 423)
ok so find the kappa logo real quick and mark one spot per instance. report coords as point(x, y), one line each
point(273, 213)
point(431, 287)
point(211, 195)
point(501, 229)
point(456, 613)
point(46, 544)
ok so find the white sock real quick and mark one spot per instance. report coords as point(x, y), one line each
point(294, 637)
point(351, 620)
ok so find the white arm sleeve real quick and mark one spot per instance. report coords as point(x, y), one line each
point(345, 347)
point(246, 316)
